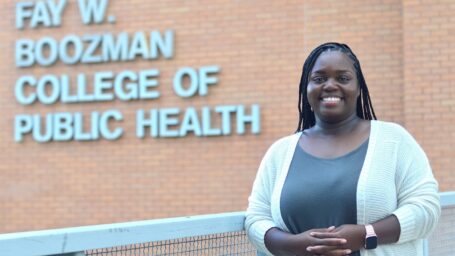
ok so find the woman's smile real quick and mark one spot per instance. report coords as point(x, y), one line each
point(330, 101)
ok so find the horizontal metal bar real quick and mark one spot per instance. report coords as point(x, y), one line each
point(77, 239)
point(447, 198)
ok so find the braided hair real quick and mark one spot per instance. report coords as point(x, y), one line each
point(364, 105)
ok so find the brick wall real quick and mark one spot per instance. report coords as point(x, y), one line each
point(260, 47)
point(429, 87)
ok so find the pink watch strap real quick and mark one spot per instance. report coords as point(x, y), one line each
point(369, 230)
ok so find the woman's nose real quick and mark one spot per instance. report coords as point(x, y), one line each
point(331, 84)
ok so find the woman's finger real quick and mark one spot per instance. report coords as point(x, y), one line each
point(323, 230)
point(330, 241)
point(328, 250)
point(324, 234)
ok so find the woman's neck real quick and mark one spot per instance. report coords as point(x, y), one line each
point(336, 128)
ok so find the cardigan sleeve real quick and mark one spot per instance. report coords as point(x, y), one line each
point(258, 215)
point(418, 207)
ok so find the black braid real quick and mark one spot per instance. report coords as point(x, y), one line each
point(364, 105)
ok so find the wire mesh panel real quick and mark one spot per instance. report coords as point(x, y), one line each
point(442, 241)
point(233, 243)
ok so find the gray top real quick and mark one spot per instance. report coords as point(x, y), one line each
point(321, 192)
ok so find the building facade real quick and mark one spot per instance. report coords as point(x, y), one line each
point(128, 110)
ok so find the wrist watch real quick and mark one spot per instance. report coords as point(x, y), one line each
point(371, 239)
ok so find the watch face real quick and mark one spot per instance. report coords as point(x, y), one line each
point(371, 242)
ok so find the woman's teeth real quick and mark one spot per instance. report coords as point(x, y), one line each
point(331, 99)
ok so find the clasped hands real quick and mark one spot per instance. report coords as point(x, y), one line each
point(332, 241)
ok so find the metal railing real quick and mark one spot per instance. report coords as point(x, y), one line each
point(133, 236)
point(215, 234)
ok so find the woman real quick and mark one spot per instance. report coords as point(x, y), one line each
point(344, 184)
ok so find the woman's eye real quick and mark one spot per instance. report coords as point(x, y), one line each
point(344, 79)
point(318, 79)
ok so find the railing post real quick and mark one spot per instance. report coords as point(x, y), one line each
point(426, 250)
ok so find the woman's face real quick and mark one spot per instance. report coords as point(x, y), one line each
point(333, 87)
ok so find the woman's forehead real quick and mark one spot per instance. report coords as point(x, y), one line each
point(333, 60)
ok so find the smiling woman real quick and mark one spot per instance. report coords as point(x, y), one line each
point(344, 183)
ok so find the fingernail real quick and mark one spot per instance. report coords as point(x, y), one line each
point(312, 234)
point(348, 251)
point(308, 249)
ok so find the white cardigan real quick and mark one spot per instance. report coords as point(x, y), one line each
point(396, 178)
